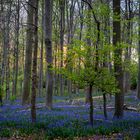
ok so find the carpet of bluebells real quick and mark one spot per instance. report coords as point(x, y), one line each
point(68, 120)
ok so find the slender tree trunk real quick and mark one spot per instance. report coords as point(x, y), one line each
point(16, 51)
point(55, 65)
point(40, 84)
point(7, 70)
point(119, 97)
point(49, 57)
point(70, 24)
point(138, 85)
point(6, 45)
point(3, 55)
point(128, 49)
point(89, 3)
point(91, 105)
point(81, 14)
point(2, 66)
point(89, 44)
point(104, 106)
point(8, 78)
point(34, 69)
point(56, 62)
point(28, 55)
point(62, 27)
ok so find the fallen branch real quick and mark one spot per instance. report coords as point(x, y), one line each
point(130, 108)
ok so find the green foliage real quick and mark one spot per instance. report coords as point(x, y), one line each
point(102, 10)
point(12, 98)
point(106, 81)
point(5, 132)
point(1, 91)
point(84, 73)
point(137, 136)
point(21, 77)
point(133, 73)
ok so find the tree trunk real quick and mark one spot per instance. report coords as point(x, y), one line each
point(138, 85)
point(88, 43)
point(40, 83)
point(70, 24)
point(49, 57)
point(81, 13)
point(91, 105)
point(16, 51)
point(128, 49)
point(62, 27)
point(5, 57)
point(28, 54)
point(119, 97)
point(8, 78)
point(34, 69)
point(104, 106)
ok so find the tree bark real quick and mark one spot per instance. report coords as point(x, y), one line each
point(62, 28)
point(16, 51)
point(28, 54)
point(104, 105)
point(49, 57)
point(40, 83)
point(34, 69)
point(119, 97)
point(138, 85)
point(128, 49)
point(91, 105)
point(6, 44)
point(89, 44)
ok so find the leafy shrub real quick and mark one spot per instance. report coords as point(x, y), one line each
point(5, 132)
point(133, 72)
point(12, 98)
point(138, 136)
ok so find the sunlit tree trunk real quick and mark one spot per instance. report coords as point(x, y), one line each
point(40, 83)
point(28, 54)
point(81, 14)
point(70, 26)
point(62, 27)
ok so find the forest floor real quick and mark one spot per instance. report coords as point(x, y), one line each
point(69, 119)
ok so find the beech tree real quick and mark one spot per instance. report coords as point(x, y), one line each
point(49, 57)
point(62, 29)
point(28, 54)
point(16, 50)
point(40, 80)
point(34, 67)
point(138, 84)
point(119, 97)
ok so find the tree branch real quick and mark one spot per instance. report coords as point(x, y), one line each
point(90, 6)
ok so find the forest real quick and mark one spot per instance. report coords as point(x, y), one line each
point(70, 69)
